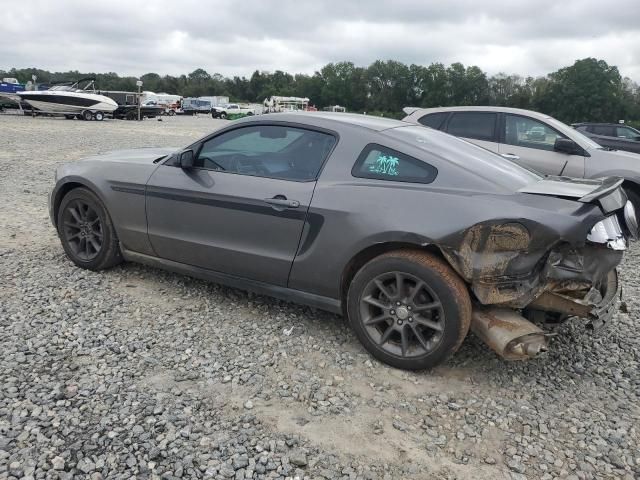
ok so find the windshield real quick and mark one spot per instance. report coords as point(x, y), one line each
point(63, 88)
point(481, 161)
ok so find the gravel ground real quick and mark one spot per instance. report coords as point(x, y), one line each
point(138, 373)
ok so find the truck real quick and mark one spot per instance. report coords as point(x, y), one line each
point(191, 106)
point(128, 105)
point(232, 110)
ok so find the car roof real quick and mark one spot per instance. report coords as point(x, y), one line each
point(517, 111)
point(600, 124)
point(325, 119)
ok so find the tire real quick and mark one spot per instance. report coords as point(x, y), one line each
point(87, 115)
point(249, 114)
point(409, 333)
point(634, 198)
point(69, 117)
point(223, 115)
point(131, 115)
point(99, 116)
point(83, 224)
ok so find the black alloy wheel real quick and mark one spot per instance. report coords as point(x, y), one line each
point(82, 230)
point(409, 309)
point(402, 314)
point(86, 231)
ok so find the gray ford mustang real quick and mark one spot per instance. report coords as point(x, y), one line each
point(415, 235)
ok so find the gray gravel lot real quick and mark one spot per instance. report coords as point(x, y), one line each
point(135, 371)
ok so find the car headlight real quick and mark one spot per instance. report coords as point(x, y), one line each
point(608, 232)
point(630, 219)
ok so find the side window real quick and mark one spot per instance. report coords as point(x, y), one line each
point(478, 125)
point(433, 120)
point(382, 163)
point(604, 130)
point(626, 132)
point(267, 151)
point(530, 133)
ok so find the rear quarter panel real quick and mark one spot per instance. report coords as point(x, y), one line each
point(348, 215)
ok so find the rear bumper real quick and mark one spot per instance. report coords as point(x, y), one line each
point(597, 307)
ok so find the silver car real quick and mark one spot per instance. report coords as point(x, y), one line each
point(559, 150)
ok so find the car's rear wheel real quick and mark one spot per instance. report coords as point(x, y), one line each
point(86, 231)
point(409, 309)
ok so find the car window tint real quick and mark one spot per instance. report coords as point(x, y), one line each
point(383, 163)
point(433, 120)
point(478, 125)
point(527, 132)
point(267, 151)
point(626, 132)
point(605, 130)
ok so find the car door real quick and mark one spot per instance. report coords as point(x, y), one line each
point(628, 138)
point(241, 209)
point(477, 127)
point(530, 142)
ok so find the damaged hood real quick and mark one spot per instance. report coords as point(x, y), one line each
point(606, 191)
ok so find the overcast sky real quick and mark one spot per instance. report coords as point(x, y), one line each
point(236, 37)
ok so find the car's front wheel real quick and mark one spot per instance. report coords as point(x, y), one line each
point(409, 309)
point(86, 231)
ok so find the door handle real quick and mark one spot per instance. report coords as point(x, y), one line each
point(282, 202)
point(510, 156)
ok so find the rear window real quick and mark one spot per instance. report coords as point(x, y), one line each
point(382, 163)
point(434, 120)
point(478, 125)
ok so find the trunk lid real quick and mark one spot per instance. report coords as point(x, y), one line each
point(606, 192)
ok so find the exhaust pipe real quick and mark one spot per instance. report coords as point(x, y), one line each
point(508, 333)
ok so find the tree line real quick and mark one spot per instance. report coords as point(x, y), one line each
point(588, 90)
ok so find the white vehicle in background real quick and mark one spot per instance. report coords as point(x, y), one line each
point(169, 102)
point(287, 104)
point(216, 101)
point(232, 110)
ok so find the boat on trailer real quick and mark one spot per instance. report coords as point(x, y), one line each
point(78, 99)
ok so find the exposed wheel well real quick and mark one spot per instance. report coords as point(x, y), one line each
point(64, 189)
point(369, 253)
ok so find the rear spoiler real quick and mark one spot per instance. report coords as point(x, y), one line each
point(606, 192)
point(410, 110)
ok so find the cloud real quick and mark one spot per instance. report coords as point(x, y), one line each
point(237, 37)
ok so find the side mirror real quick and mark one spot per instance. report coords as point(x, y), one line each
point(186, 159)
point(565, 145)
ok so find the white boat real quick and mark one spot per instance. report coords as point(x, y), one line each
point(70, 100)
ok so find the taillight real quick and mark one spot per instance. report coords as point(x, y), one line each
point(608, 232)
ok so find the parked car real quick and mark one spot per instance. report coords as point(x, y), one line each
point(413, 234)
point(130, 112)
point(564, 151)
point(537, 134)
point(612, 135)
point(231, 110)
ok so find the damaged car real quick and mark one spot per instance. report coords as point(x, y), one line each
point(414, 235)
